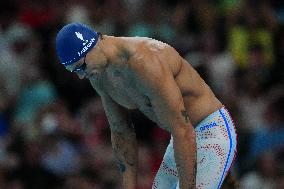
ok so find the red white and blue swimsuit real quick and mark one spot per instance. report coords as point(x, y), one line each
point(216, 140)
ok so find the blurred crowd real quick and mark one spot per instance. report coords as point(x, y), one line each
point(53, 129)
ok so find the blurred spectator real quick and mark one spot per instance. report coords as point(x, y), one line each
point(32, 97)
point(265, 175)
point(80, 182)
point(151, 23)
point(3, 125)
point(94, 122)
point(28, 172)
point(252, 90)
point(253, 23)
point(77, 12)
point(272, 136)
point(36, 14)
point(18, 51)
point(61, 157)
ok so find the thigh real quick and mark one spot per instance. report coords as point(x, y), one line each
point(167, 176)
point(216, 149)
point(213, 162)
point(211, 158)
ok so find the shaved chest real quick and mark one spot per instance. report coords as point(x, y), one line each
point(123, 89)
point(128, 93)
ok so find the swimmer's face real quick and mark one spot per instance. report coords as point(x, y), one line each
point(80, 68)
point(93, 63)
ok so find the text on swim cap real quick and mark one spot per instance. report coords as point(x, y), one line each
point(86, 47)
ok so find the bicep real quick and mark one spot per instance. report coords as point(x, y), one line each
point(169, 106)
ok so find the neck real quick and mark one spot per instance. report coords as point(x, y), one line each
point(108, 46)
point(112, 47)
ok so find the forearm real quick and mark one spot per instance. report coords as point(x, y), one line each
point(184, 142)
point(125, 149)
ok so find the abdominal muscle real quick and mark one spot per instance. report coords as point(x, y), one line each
point(201, 107)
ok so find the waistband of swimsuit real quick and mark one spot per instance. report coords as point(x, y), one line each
point(211, 116)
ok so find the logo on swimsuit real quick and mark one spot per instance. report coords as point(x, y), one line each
point(208, 126)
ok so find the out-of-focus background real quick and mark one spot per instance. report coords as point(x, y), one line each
point(53, 130)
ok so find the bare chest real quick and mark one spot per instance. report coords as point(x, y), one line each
point(122, 88)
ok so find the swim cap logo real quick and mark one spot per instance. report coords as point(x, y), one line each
point(80, 36)
point(86, 43)
point(86, 47)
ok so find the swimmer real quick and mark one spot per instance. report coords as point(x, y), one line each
point(142, 73)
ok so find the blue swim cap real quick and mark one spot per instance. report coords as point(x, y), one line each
point(74, 41)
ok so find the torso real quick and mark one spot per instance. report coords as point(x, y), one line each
point(117, 81)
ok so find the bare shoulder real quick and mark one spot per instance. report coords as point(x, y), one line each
point(145, 60)
point(154, 58)
point(152, 64)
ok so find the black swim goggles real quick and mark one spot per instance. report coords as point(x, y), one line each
point(81, 68)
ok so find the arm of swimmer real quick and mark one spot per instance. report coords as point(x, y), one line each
point(123, 140)
point(169, 108)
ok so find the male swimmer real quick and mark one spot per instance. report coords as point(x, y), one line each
point(145, 74)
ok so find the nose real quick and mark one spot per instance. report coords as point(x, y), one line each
point(81, 75)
